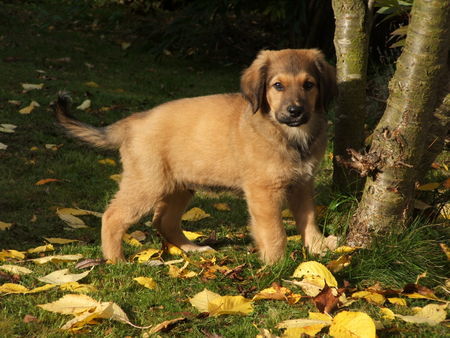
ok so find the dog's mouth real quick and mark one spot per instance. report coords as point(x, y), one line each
point(294, 122)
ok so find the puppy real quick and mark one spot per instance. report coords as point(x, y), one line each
point(267, 141)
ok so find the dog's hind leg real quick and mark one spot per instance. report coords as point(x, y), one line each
point(266, 224)
point(167, 219)
point(131, 202)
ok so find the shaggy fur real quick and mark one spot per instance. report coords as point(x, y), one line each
point(266, 141)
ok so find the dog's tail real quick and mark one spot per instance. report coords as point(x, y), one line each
point(109, 137)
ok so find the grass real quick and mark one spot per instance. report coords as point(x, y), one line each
point(38, 40)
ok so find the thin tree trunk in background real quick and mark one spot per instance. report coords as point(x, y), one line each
point(400, 137)
point(351, 40)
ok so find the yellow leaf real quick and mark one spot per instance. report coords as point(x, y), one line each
point(47, 180)
point(148, 254)
point(397, 301)
point(28, 109)
point(13, 288)
point(57, 259)
point(320, 316)
point(5, 226)
point(428, 186)
point(73, 221)
point(13, 254)
point(371, 297)
point(387, 313)
point(92, 84)
point(147, 282)
point(345, 249)
point(86, 104)
point(194, 214)
point(53, 147)
point(295, 238)
point(176, 272)
point(202, 299)
point(107, 161)
point(31, 86)
point(127, 238)
point(445, 249)
point(42, 248)
point(62, 276)
point(42, 288)
point(339, 263)
point(193, 235)
point(352, 324)
point(78, 212)
point(221, 206)
point(77, 287)
point(431, 314)
point(311, 326)
point(19, 270)
point(125, 45)
point(228, 305)
point(174, 250)
point(116, 177)
point(71, 304)
point(315, 269)
point(165, 324)
point(56, 240)
point(286, 213)
point(416, 295)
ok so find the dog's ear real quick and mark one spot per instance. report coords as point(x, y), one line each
point(253, 82)
point(327, 80)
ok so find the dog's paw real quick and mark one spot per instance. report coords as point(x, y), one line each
point(320, 245)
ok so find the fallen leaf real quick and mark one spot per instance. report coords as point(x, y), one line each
point(192, 236)
point(446, 183)
point(92, 84)
point(7, 128)
point(42, 288)
point(31, 86)
point(312, 270)
point(42, 248)
point(77, 287)
point(230, 305)
point(62, 276)
point(86, 104)
point(14, 102)
point(371, 297)
point(286, 213)
point(431, 314)
point(47, 180)
point(173, 250)
point(345, 249)
point(89, 263)
point(127, 238)
point(277, 292)
point(28, 109)
point(295, 238)
point(57, 240)
point(116, 177)
point(166, 325)
point(13, 254)
point(53, 147)
point(339, 263)
point(5, 226)
point(397, 301)
point(20, 270)
point(148, 254)
point(13, 288)
point(194, 214)
point(147, 282)
point(182, 272)
point(138, 235)
point(107, 161)
point(327, 300)
point(202, 299)
point(443, 246)
point(221, 206)
point(72, 221)
point(29, 318)
point(419, 205)
point(305, 326)
point(387, 313)
point(418, 291)
point(57, 259)
point(3, 146)
point(352, 324)
point(429, 186)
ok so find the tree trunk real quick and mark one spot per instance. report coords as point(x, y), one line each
point(351, 40)
point(399, 138)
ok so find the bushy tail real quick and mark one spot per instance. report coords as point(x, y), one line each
point(109, 137)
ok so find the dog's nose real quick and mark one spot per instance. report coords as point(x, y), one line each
point(295, 111)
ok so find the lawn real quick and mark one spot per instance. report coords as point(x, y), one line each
point(94, 54)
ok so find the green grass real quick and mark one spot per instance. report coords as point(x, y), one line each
point(37, 34)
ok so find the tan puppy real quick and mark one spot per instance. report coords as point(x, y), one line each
point(267, 141)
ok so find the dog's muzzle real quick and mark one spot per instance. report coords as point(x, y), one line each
point(295, 116)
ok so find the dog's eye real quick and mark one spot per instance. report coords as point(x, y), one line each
point(278, 86)
point(308, 85)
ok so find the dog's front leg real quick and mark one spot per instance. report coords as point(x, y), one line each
point(266, 225)
point(301, 203)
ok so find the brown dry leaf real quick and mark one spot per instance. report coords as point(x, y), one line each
point(352, 324)
point(47, 180)
point(418, 291)
point(29, 318)
point(446, 183)
point(195, 214)
point(166, 325)
point(221, 206)
point(5, 226)
point(327, 300)
point(431, 314)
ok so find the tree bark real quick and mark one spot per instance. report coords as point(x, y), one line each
point(351, 39)
point(400, 137)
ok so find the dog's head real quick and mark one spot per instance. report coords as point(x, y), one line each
point(291, 84)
